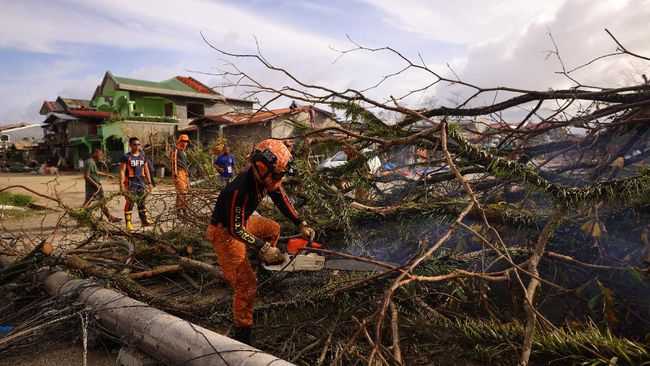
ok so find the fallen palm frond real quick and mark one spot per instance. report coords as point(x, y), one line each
point(587, 346)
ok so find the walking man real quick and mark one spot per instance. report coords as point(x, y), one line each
point(179, 172)
point(232, 228)
point(226, 165)
point(134, 180)
point(94, 189)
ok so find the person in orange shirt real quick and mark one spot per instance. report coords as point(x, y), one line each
point(179, 172)
point(233, 227)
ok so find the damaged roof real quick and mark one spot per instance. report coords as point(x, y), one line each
point(258, 116)
point(70, 109)
point(70, 103)
point(51, 107)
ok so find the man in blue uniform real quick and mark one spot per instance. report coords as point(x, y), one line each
point(226, 165)
point(135, 178)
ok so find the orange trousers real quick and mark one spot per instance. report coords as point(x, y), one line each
point(231, 256)
point(182, 182)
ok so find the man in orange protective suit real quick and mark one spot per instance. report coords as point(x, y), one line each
point(232, 228)
point(178, 161)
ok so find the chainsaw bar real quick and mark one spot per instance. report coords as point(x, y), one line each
point(353, 265)
point(315, 262)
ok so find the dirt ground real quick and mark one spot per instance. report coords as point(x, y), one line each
point(69, 187)
point(62, 353)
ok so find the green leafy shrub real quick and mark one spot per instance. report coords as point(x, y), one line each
point(15, 199)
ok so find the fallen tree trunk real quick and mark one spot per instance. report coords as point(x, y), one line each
point(165, 337)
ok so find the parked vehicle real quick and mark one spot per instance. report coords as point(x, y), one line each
point(341, 158)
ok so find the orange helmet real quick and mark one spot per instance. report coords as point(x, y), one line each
point(272, 158)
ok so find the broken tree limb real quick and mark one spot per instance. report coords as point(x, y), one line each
point(165, 337)
point(533, 284)
point(191, 263)
point(173, 268)
point(132, 288)
point(394, 326)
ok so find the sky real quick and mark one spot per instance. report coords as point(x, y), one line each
point(64, 47)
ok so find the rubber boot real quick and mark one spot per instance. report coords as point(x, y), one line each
point(145, 218)
point(127, 219)
point(243, 334)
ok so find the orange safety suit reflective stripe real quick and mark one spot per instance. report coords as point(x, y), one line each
point(232, 258)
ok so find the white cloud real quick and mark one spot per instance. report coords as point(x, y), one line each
point(167, 25)
point(22, 94)
point(507, 41)
point(465, 22)
point(500, 43)
point(578, 29)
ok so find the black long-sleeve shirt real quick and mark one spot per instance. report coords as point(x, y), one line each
point(240, 198)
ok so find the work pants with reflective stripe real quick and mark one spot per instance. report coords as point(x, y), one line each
point(232, 258)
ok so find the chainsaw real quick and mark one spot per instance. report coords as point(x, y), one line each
point(296, 259)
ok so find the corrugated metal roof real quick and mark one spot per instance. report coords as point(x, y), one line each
point(179, 85)
point(195, 85)
point(63, 116)
point(189, 128)
point(258, 116)
point(171, 84)
point(76, 103)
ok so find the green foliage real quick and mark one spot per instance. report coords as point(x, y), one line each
point(84, 216)
point(15, 199)
point(633, 190)
point(201, 157)
point(357, 113)
point(437, 265)
point(371, 124)
point(587, 346)
point(17, 214)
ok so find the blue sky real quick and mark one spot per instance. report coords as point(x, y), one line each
point(50, 48)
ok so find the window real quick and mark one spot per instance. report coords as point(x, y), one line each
point(169, 110)
point(195, 110)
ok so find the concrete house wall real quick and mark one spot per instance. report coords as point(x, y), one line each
point(286, 126)
point(82, 129)
point(247, 134)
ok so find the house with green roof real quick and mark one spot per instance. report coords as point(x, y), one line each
point(122, 107)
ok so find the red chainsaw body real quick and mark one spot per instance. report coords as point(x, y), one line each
point(296, 243)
